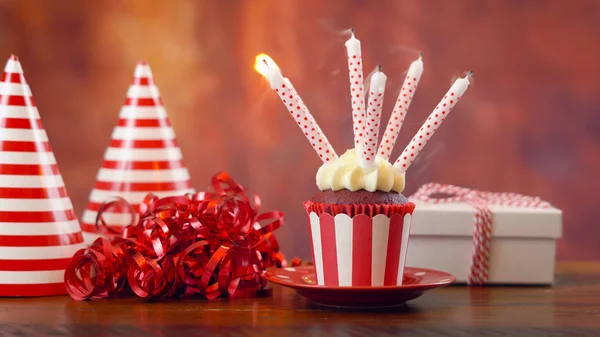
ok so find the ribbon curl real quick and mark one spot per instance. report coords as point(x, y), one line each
point(207, 244)
point(482, 229)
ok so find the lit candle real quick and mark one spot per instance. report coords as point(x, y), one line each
point(371, 128)
point(268, 68)
point(357, 91)
point(432, 123)
point(411, 81)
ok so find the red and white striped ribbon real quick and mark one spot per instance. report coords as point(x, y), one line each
point(482, 229)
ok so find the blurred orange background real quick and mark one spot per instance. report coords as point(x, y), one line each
point(529, 124)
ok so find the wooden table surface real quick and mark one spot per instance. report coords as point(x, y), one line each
point(570, 308)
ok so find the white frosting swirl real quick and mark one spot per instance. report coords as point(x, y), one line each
point(346, 173)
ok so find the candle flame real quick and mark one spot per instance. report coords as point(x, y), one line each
point(263, 63)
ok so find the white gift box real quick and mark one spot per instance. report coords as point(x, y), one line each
point(523, 244)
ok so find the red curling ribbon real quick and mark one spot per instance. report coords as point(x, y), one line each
point(112, 203)
point(208, 244)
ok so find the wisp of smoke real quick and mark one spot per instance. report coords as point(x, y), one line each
point(424, 160)
point(345, 32)
point(330, 27)
point(463, 74)
point(406, 49)
point(331, 48)
point(368, 78)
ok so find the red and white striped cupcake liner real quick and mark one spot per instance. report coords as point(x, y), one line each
point(362, 250)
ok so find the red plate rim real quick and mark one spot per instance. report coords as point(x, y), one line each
point(447, 279)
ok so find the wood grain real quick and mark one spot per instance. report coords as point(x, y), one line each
point(571, 307)
point(529, 124)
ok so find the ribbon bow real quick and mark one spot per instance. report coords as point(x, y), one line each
point(208, 244)
point(482, 229)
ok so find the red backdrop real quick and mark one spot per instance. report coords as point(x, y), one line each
point(529, 124)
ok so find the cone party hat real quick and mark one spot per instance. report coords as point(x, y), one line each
point(39, 231)
point(143, 157)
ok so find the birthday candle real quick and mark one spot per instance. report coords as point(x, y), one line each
point(310, 116)
point(373, 120)
point(269, 69)
point(357, 91)
point(401, 108)
point(433, 122)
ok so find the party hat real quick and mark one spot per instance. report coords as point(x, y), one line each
point(39, 231)
point(143, 157)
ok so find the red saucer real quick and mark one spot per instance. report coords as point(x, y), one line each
point(416, 281)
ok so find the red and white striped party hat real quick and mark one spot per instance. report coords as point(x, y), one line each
point(39, 231)
point(143, 157)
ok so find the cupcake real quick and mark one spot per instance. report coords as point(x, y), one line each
point(359, 222)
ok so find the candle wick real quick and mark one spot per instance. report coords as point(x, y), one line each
point(420, 55)
point(470, 73)
point(267, 64)
point(379, 69)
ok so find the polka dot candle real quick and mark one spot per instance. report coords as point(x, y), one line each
point(357, 90)
point(267, 67)
point(413, 76)
point(301, 102)
point(373, 121)
point(432, 123)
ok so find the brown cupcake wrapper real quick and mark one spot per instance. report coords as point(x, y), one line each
point(355, 209)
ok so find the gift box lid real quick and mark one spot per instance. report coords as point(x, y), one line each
point(457, 219)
